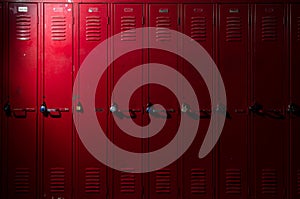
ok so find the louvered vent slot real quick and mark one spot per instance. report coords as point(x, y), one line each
point(298, 182)
point(57, 180)
point(162, 31)
point(233, 181)
point(22, 180)
point(23, 27)
point(298, 28)
point(269, 24)
point(58, 28)
point(93, 28)
point(128, 25)
point(198, 181)
point(198, 28)
point(233, 29)
point(163, 181)
point(127, 181)
point(269, 182)
point(92, 180)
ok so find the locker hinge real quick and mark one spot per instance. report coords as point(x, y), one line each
point(178, 191)
point(143, 20)
point(143, 191)
point(38, 19)
point(73, 21)
point(108, 20)
point(178, 20)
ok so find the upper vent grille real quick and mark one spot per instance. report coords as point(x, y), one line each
point(23, 27)
point(58, 28)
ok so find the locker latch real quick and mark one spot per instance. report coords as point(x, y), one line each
point(256, 108)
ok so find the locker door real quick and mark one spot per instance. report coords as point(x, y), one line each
point(270, 92)
point(126, 17)
point(163, 182)
point(233, 64)
point(198, 173)
point(21, 101)
point(295, 102)
point(57, 100)
point(93, 30)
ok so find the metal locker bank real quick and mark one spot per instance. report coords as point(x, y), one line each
point(129, 99)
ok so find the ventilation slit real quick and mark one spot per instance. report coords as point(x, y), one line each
point(163, 181)
point(57, 180)
point(23, 27)
point(198, 181)
point(22, 176)
point(233, 29)
point(269, 182)
point(198, 28)
point(58, 28)
point(127, 181)
point(269, 24)
point(93, 28)
point(233, 181)
point(92, 180)
point(162, 31)
point(128, 25)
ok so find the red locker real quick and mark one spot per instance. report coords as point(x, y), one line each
point(233, 64)
point(197, 173)
point(126, 17)
point(92, 175)
point(270, 93)
point(21, 101)
point(294, 108)
point(57, 101)
point(164, 183)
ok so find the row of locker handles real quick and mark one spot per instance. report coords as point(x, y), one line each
point(256, 108)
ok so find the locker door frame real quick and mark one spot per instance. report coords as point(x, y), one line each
point(77, 57)
point(255, 188)
point(209, 173)
point(233, 109)
point(178, 163)
point(44, 175)
point(115, 175)
point(294, 174)
point(6, 79)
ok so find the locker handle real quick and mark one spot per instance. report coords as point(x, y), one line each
point(57, 110)
point(272, 113)
point(150, 109)
point(23, 110)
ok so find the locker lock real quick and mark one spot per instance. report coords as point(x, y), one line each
point(149, 108)
point(113, 108)
point(293, 108)
point(43, 108)
point(7, 109)
point(256, 108)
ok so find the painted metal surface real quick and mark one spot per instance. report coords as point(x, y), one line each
point(293, 108)
point(197, 173)
point(21, 101)
point(270, 93)
point(164, 182)
point(233, 63)
point(126, 17)
point(57, 97)
point(92, 175)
